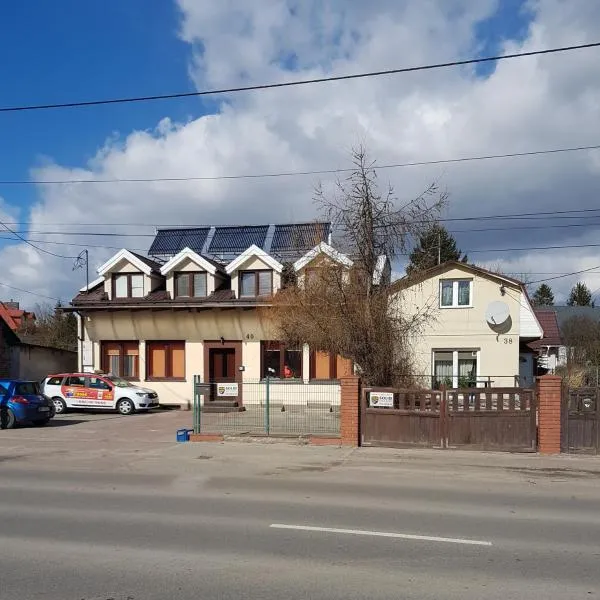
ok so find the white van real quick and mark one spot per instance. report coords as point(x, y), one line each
point(89, 390)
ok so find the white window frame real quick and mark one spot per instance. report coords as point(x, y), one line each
point(455, 283)
point(455, 351)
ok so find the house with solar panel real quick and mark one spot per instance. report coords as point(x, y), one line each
point(192, 307)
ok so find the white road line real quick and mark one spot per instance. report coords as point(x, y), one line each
point(386, 534)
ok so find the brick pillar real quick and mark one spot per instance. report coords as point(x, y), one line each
point(549, 389)
point(350, 411)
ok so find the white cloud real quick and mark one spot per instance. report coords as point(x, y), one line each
point(526, 104)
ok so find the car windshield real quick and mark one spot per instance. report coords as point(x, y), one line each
point(27, 388)
point(118, 381)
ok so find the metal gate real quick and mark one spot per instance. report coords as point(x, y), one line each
point(476, 419)
point(580, 421)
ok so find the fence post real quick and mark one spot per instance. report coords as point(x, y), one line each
point(549, 391)
point(268, 406)
point(350, 411)
point(197, 406)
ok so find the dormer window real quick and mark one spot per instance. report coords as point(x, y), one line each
point(255, 283)
point(190, 285)
point(128, 285)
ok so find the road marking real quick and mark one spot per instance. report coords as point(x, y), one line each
point(386, 534)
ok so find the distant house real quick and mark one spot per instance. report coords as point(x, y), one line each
point(477, 327)
point(15, 317)
point(20, 360)
point(196, 306)
point(549, 351)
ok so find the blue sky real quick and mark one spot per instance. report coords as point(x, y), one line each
point(90, 50)
point(85, 50)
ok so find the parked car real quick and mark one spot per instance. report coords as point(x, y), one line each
point(23, 402)
point(106, 392)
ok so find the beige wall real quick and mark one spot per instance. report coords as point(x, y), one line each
point(465, 328)
point(195, 328)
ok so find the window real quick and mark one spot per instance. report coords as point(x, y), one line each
point(165, 360)
point(326, 366)
point(455, 368)
point(75, 381)
point(128, 285)
point(455, 293)
point(27, 388)
point(54, 381)
point(285, 363)
point(190, 285)
point(121, 359)
point(98, 384)
point(255, 283)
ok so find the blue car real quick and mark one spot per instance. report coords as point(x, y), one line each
point(23, 402)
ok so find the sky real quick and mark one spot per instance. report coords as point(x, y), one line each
point(72, 50)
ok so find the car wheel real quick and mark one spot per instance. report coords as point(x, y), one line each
point(41, 422)
point(60, 406)
point(7, 419)
point(125, 406)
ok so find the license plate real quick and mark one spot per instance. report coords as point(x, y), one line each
point(44, 409)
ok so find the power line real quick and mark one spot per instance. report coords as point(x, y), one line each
point(565, 275)
point(19, 236)
point(545, 215)
point(266, 86)
point(296, 173)
point(12, 287)
point(152, 235)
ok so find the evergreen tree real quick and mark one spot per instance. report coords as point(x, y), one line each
point(435, 246)
point(543, 296)
point(580, 295)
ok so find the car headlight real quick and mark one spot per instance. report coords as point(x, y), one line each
point(141, 394)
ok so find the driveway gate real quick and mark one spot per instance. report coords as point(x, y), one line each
point(580, 421)
point(477, 419)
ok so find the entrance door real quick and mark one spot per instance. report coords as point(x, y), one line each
point(221, 368)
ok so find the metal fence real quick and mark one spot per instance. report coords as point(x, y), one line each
point(269, 407)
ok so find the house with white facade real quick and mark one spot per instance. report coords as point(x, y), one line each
point(476, 327)
point(197, 305)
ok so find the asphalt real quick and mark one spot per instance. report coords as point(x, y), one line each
point(107, 507)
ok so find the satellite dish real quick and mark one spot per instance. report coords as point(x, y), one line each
point(497, 315)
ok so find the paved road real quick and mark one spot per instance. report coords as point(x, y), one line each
point(196, 521)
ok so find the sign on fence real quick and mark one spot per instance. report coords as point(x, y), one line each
point(381, 399)
point(227, 389)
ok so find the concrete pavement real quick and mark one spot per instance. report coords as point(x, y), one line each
point(114, 509)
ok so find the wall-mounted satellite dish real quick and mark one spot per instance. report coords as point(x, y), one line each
point(498, 318)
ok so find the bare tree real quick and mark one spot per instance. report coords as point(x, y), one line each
point(346, 309)
point(51, 328)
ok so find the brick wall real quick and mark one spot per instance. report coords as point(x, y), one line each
point(549, 414)
point(350, 411)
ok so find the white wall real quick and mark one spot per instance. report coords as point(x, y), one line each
point(465, 328)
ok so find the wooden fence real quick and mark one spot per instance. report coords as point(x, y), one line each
point(477, 418)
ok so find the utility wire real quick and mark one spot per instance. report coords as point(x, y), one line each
point(20, 237)
point(545, 215)
point(12, 287)
point(152, 235)
point(565, 275)
point(266, 86)
point(296, 173)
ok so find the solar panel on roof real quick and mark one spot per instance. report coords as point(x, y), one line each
point(299, 238)
point(237, 239)
point(172, 241)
